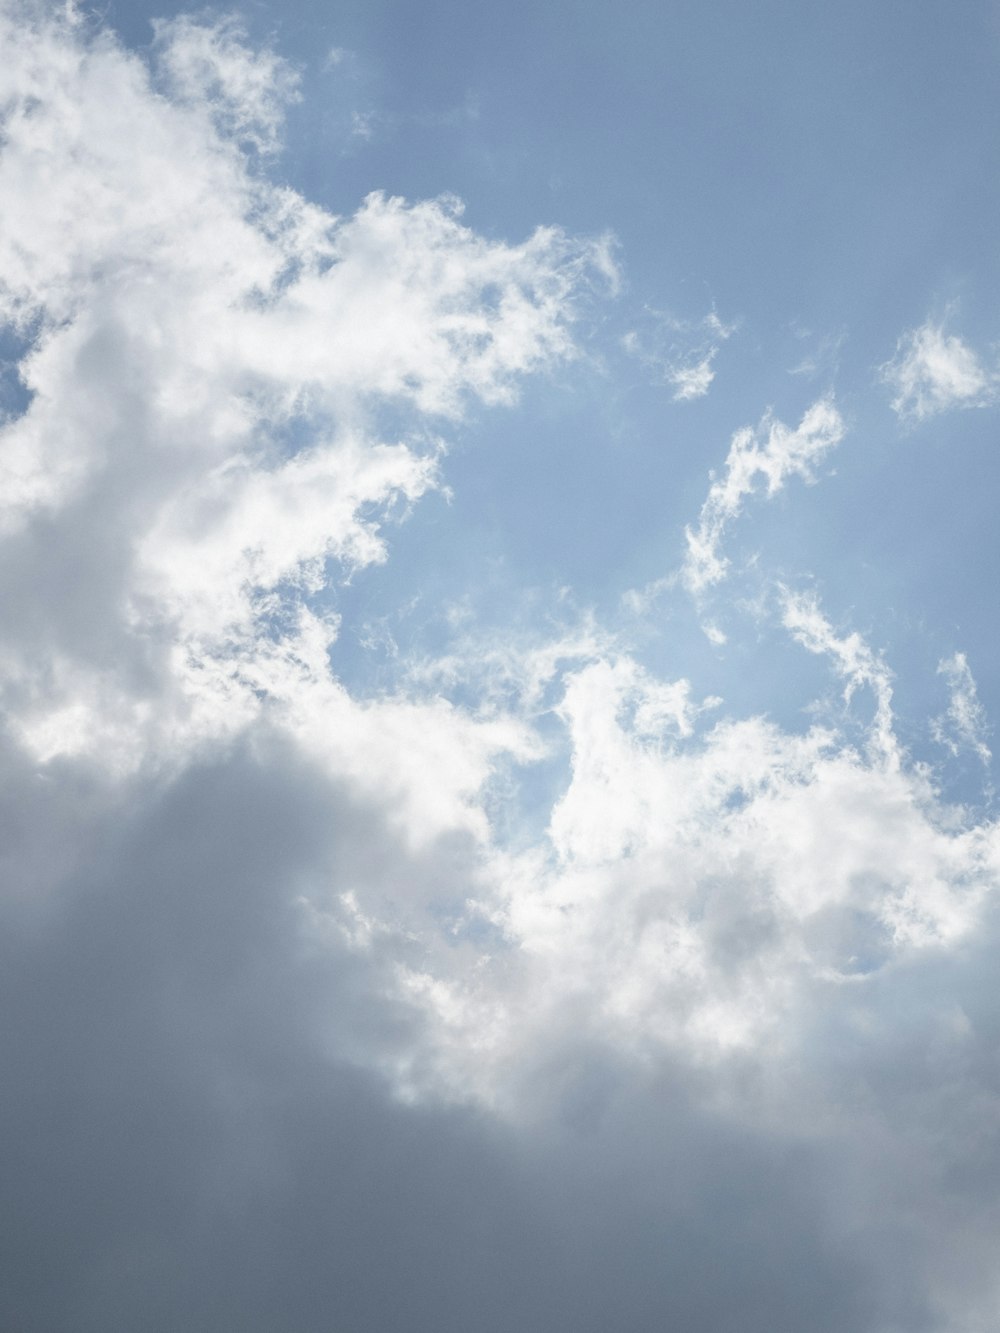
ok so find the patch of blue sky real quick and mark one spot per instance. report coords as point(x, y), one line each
point(14, 393)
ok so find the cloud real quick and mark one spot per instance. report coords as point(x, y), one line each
point(782, 454)
point(295, 1033)
point(964, 725)
point(853, 660)
point(934, 372)
point(693, 381)
point(680, 353)
point(198, 1066)
point(212, 64)
point(706, 881)
point(210, 355)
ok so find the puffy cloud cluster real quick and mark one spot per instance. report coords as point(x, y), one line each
point(296, 1035)
point(704, 883)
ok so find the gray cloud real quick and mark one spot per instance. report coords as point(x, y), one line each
point(191, 1144)
point(183, 1154)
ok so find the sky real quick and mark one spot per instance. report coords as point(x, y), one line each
point(499, 667)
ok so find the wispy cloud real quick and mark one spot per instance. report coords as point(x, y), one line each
point(934, 371)
point(821, 355)
point(680, 353)
point(964, 725)
point(758, 459)
point(853, 660)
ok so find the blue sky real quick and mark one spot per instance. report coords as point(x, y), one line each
point(499, 667)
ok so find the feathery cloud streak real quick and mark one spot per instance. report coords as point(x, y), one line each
point(770, 455)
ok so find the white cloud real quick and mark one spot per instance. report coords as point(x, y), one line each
point(680, 353)
point(203, 384)
point(693, 381)
point(783, 453)
point(933, 372)
point(702, 886)
point(853, 660)
point(964, 725)
point(211, 64)
point(706, 888)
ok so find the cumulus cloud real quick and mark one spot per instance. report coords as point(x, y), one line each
point(706, 877)
point(769, 455)
point(294, 1033)
point(933, 372)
